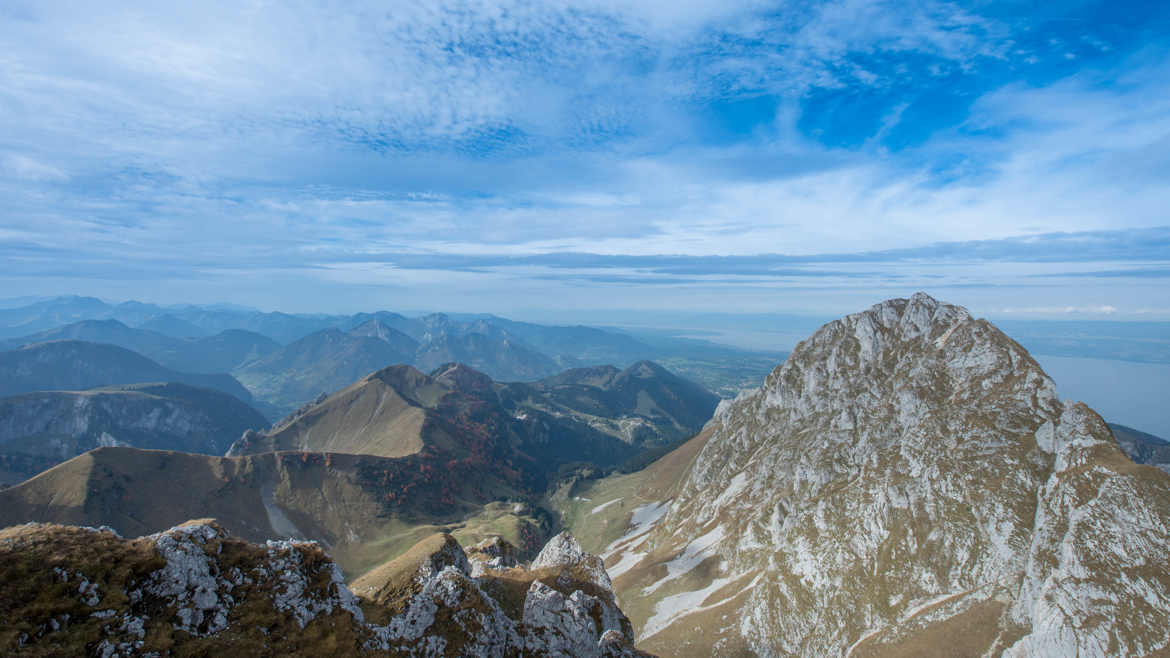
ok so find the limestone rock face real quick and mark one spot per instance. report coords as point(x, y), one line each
point(908, 472)
point(563, 553)
point(78, 591)
point(565, 610)
point(573, 625)
point(570, 608)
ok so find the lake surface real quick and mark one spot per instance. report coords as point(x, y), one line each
point(1132, 394)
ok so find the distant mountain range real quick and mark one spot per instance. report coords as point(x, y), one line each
point(246, 343)
point(387, 458)
point(321, 363)
point(73, 365)
point(222, 352)
point(57, 312)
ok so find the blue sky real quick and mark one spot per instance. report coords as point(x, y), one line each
point(525, 158)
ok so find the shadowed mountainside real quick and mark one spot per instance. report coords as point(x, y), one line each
point(1141, 447)
point(39, 430)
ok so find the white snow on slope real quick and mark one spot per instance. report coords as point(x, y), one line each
point(642, 522)
point(604, 505)
point(672, 608)
point(698, 550)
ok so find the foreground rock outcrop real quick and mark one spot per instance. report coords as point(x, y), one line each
point(908, 482)
point(195, 590)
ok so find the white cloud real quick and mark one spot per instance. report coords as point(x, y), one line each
point(1059, 310)
point(266, 134)
point(26, 168)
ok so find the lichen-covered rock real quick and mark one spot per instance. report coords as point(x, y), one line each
point(492, 553)
point(63, 589)
point(392, 584)
point(564, 553)
point(450, 615)
point(191, 579)
point(573, 625)
point(194, 590)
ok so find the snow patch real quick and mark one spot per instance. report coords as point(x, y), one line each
point(642, 522)
point(602, 506)
point(672, 608)
point(695, 553)
point(628, 561)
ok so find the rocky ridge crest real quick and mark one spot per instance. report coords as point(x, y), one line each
point(195, 589)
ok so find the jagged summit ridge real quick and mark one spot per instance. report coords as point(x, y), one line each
point(907, 467)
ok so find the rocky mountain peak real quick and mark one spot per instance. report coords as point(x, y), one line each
point(561, 551)
point(902, 357)
point(907, 469)
point(401, 377)
point(461, 377)
point(375, 328)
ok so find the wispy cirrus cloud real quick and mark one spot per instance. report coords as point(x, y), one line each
point(584, 144)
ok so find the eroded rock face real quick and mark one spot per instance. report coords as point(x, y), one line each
point(907, 470)
point(573, 625)
point(563, 554)
point(69, 590)
point(450, 614)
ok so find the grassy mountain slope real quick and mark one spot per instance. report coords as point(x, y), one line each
point(645, 390)
point(575, 417)
point(382, 415)
point(365, 509)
